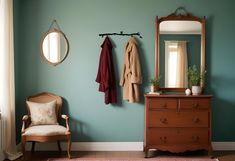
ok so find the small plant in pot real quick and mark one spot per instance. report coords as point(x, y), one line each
point(194, 78)
point(154, 84)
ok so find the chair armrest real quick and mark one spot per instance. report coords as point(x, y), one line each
point(25, 120)
point(66, 118)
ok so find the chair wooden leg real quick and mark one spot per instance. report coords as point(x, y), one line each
point(59, 147)
point(33, 146)
point(69, 145)
point(23, 142)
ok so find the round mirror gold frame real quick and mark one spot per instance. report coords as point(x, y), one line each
point(66, 47)
point(179, 17)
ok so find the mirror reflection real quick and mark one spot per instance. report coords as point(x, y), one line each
point(54, 47)
point(176, 64)
point(180, 47)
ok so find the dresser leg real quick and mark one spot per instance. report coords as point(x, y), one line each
point(146, 152)
point(210, 152)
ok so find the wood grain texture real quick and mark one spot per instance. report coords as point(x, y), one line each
point(180, 125)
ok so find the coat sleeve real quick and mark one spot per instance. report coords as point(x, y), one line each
point(106, 70)
point(98, 77)
point(122, 78)
point(103, 71)
point(136, 76)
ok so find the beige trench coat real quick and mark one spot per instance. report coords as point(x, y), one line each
point(131, 76)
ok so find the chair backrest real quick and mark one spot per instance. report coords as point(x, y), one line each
point(46, 97)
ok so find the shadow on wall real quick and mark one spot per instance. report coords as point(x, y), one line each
point(76, 126)
point(222, 108)
point(223, 114)
point(209, 29)
point(144, 70)
point(117, 75)
point(221, 84)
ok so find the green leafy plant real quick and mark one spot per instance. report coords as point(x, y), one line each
point(155, 81)
point(194, 76)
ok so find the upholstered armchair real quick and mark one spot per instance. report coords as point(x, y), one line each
point(41, 123)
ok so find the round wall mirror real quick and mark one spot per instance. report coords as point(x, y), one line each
point(54, 47)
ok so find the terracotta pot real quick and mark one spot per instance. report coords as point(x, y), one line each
point(196, 90)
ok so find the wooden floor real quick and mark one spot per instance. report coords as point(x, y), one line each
point(43, 156)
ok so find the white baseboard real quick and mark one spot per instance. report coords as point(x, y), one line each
point(226, 146)
point(113, 146)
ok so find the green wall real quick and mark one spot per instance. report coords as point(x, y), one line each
point(193, 50)
point(74, 79)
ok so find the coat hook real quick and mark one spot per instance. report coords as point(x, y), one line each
point(122, 34)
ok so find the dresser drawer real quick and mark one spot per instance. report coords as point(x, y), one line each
point(163, 103)
point(178, 119)
point(161, 136)
point(194, 103)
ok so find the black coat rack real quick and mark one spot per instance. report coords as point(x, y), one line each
point(121, 34)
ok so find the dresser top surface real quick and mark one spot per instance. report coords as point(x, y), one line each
point(178, 95)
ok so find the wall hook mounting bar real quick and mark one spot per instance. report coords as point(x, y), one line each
point(121, 34)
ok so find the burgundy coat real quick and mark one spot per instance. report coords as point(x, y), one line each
point(106, 76)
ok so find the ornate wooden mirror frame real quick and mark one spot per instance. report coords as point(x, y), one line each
point(178, 16)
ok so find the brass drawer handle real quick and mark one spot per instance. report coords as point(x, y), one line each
point(196, 120)
point(163, 139)
point(163, 120)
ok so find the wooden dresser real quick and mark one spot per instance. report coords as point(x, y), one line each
point(177, 123)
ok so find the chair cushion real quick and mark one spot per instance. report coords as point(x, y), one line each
point(45, 130)
point(42, 113)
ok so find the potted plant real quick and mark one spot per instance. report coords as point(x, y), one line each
point(154, 84)
point(194, 78)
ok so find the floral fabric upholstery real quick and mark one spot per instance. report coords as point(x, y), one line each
point(42, 113)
